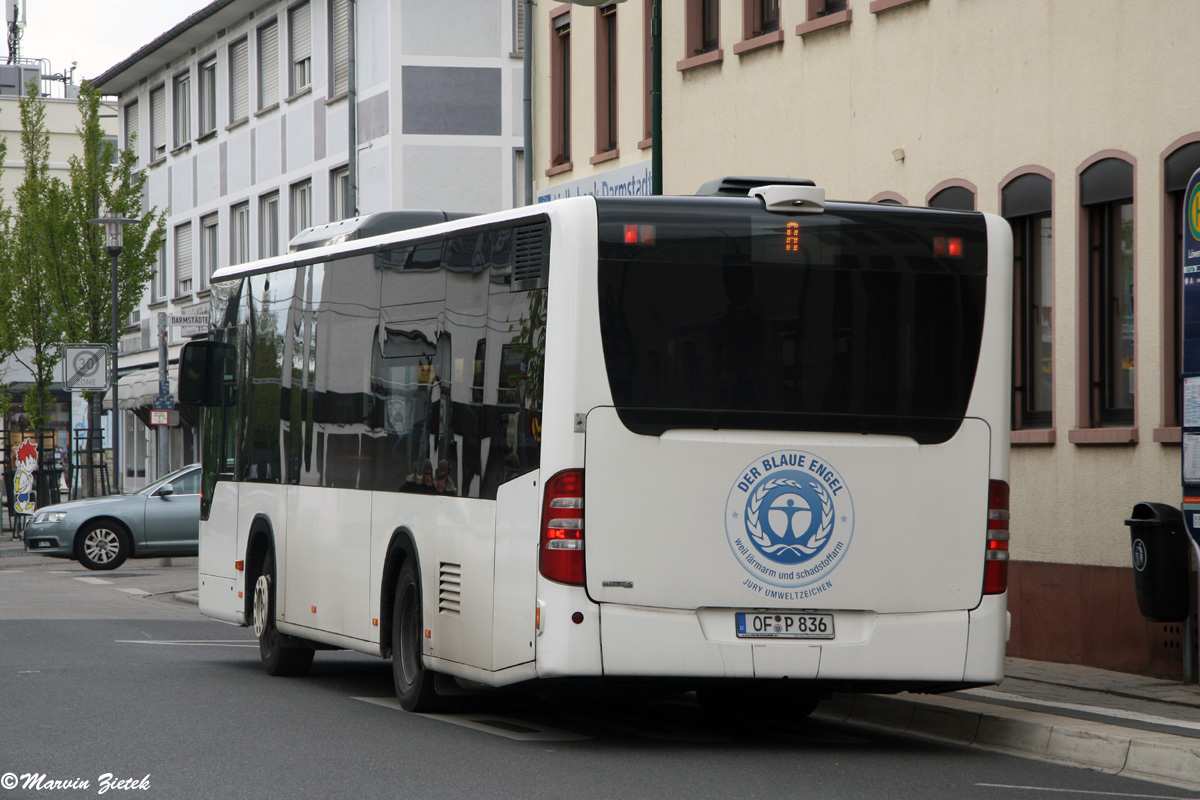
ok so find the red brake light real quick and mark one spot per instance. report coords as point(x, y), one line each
point(561, 550)
point(948, 246)
point(639, 234)
point(995, 567)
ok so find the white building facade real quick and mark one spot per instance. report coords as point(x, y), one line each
point(254, 122)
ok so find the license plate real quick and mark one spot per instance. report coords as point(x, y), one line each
point(784, 626)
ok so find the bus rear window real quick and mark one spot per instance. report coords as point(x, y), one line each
point(862, 319)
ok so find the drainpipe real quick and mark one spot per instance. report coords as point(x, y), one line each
point(352, 99)
point(527, 80)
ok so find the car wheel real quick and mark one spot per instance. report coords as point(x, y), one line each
point(102, 544)
point(414, 683)
point(279, 652)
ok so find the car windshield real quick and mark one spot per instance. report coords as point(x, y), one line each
point(152, 488)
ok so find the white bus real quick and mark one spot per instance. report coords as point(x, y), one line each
point(734, 445)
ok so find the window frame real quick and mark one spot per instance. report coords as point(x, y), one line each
point(267, 62)
point(819, 15)
point(158, 122)
point(239, 233)
point(606, 95)
point(184, 282)
point(758, 29)
point(158, 282)
point(268, 225)
point(702, 34)
point(560, 91)
point(1026, 199)
point(181, 112)
point(239, 80)
point(339, 39)
point(1098, 421)
point(950, 194)
point(132, 111)
point(207, 96)
point(210, 239)
point(340, 207)
point(300, 208)
point(300, 49)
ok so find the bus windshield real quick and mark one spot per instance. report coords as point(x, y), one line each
point(846, 321)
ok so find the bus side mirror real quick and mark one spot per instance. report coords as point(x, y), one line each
point(205, 368)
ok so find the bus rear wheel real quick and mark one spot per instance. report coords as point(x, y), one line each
point(280, 655)
point(414, 683)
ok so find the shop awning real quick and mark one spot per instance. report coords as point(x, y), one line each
point(138, 389)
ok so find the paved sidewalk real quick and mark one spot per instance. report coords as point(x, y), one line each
point(1137, 726)
point(1142, 727)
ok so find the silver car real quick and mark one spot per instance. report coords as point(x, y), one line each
point(101, 532)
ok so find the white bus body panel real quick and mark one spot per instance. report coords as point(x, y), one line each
point(661, 527)
point(218, 552)
point(327, 550)
point(518, 502)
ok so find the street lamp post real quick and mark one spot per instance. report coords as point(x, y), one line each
point(114, 234)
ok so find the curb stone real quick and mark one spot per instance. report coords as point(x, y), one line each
point(1159, 757)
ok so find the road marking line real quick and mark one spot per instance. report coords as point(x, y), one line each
point(94, 581)
point(191, 642)
point(1079, 791)
point(520, 730)
point(1135, 716)
point(132, 591)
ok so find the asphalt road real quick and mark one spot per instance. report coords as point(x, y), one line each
point(119, 678)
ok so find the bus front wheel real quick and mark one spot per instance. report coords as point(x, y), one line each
point(280, 655)
point(414, 683)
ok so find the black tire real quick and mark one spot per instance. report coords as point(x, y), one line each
point(280, 653)
point(102, 544)
point(414, 683)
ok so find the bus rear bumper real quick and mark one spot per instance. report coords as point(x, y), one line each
point(942, 647)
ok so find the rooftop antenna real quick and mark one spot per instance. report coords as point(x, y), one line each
point(14, 14)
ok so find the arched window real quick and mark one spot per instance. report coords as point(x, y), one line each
point(1025, 201)
point(955, 198)
point(1106, 195)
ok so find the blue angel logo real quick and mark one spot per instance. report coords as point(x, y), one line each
point(789, 519)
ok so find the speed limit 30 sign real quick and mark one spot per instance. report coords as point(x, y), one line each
point(85, 367)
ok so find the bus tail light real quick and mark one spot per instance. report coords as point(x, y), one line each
point(995, 567)
point(561, 551)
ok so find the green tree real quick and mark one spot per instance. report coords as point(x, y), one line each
point(55, 272)
point(101, 182)
point(32, 236)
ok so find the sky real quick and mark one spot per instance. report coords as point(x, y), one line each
point(97, 34)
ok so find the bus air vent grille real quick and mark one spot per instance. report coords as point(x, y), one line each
point(449, 588)
point(529, 262)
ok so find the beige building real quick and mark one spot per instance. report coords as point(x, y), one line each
point(1073, 119)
